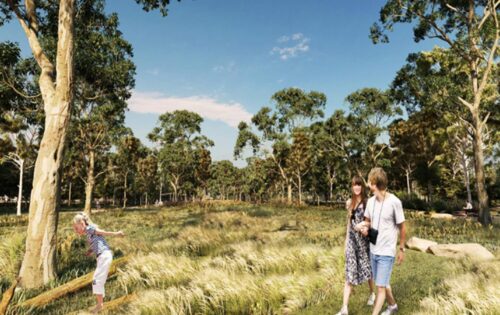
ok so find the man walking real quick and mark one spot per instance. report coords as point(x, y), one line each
point(384, 212)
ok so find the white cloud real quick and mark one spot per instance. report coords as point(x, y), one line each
point(297, 44)
point(208, 108)
point(227, 68)
point(283, 39)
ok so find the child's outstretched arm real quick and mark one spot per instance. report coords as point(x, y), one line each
point(108, 233)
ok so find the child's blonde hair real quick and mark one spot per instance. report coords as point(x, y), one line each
point(82, 217)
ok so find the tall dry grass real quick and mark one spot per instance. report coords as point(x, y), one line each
point(473, 289)
point(11, 252)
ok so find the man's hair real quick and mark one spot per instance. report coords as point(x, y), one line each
point(378, 177)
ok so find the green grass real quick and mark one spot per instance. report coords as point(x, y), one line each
point(246, 259)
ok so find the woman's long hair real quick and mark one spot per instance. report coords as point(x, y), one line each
point(357, 180)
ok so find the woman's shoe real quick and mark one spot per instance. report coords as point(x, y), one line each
point(371, 299)
point(343, 311)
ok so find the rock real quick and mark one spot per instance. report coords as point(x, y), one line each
point(419, 244)
point(495, 219)
point(460, 213)
point(445, 216)
point(470, 250)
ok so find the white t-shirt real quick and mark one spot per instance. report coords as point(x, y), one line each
point(392, 214)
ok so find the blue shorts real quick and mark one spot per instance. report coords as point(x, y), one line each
point(381, 269)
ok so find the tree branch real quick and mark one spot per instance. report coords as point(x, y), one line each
point(13, 87)
point(491, 57)
point(487, 13)
point(47, 86)
point(485, 119)
point(31, 14)
point(83, 179)
point(464, 102)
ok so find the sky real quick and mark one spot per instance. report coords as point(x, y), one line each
point(224, 59)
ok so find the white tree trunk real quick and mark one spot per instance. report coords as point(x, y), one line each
point(408, 181)
point(289, 195)
point(39, 263)
point(89, 185)
point(484, 211)
point(161, 187)
point(465, 167)
point(20, 192)
point(125, 191)
point(299, 178)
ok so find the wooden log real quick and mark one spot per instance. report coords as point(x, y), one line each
point(69, 287)
point(111, 305)
point(7, 297)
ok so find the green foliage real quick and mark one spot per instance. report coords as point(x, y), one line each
point(412, 201)
point(183, 154)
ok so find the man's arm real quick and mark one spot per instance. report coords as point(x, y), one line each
point(402, 238)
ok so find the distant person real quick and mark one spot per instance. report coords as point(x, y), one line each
point(384, 212)
point(357, 250)
point(100, 248)
point(468, 206)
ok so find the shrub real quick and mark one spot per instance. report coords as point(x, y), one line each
point(412, 201)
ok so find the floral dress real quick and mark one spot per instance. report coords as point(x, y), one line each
point(357, 253)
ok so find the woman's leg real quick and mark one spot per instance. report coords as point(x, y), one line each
point(371, 284)
point(347, 293)
point(371, 298)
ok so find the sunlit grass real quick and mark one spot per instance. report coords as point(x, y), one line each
point(236, 258)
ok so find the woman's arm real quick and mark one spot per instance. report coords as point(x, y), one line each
point(364, 232)
point(108, 233)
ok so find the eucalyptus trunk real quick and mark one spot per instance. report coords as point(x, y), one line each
point(89, 185)
point(20, 192)
point(477, 142)
point(39, 263)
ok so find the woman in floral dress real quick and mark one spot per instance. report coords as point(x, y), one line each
point(357, 249)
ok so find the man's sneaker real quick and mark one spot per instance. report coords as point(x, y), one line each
point(371, 299)
point(391, 309)
point(343, 311)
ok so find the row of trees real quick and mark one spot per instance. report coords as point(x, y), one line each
point(72, 95)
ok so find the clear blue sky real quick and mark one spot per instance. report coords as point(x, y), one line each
point(225, 58)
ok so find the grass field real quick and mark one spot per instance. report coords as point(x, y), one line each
point(248, 259)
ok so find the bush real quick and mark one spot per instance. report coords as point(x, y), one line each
point(412, 201)
point(260, 212)
point(446, 205)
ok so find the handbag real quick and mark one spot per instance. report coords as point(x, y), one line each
point(373, 233)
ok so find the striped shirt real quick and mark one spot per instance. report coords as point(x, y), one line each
point(97, 242)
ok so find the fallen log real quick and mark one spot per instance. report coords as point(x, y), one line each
point(108, 306)
point(7, 297)
point(69, 287)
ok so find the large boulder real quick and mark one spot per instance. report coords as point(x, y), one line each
point(445, 216)
point(419, 244)
point(470, 250)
